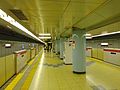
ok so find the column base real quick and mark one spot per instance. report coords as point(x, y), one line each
point(79, 72)
point(67, 63)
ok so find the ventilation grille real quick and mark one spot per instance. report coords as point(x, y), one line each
point(19, 14)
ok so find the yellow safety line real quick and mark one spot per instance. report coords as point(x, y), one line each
point(100, 61)
point(17, 78)
point(14, 82)
point(30, 63)
point(30, 77)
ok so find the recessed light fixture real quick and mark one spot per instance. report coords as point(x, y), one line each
point(88, 37)
point(106, 34)
point(87, 34)
point(45, 37)
point(104, 44)
point(7, 45)
point(44, 34)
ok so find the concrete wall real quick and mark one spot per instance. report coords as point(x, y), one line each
point(113, 43)
point(99, 52)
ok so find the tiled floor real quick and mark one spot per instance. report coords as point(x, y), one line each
point(103, 75)
point(59, 77)
point(52, 74)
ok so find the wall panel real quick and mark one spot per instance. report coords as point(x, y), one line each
point(2, 70)
point(10, 66)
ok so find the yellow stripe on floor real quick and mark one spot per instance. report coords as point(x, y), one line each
point(30, 77)
point(14, 82)
point(18, 77)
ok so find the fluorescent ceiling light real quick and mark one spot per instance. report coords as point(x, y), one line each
point(87, 34)
point(49, 42)
point(88, 37)
point(7, 45)
point(45, 37)
point(44, 34)
point(104, 44)
point(10, 20)
point(106, 34)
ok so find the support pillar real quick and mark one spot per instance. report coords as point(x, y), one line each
point(61, 48)
point(78, 53)
point(57, 46)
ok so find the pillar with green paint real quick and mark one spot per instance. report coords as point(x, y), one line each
point(62, 48)
point(78, 52)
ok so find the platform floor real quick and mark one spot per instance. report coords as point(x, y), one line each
point(49, 73)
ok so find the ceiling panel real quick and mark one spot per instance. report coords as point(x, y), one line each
point(78, 14)
point(105, 11)
point(55, 15)
point(110, 9)
point(90, 20)
point(47, 12)
point(89, 13)
point(106, 29)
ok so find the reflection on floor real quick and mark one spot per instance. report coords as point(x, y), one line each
point(52, 74)
point(103, 76)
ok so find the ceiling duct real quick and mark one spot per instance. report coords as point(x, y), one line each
point(19, 14)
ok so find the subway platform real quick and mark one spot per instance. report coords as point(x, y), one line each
point(47, 72)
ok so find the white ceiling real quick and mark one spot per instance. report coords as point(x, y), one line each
point(53, 16)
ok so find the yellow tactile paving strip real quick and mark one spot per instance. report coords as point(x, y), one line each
point(30, 76)
point(20, 75)
point(14, 82)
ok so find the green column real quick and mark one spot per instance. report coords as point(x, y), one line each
point(62, 48)
point(57, 46)
point(78, 53)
